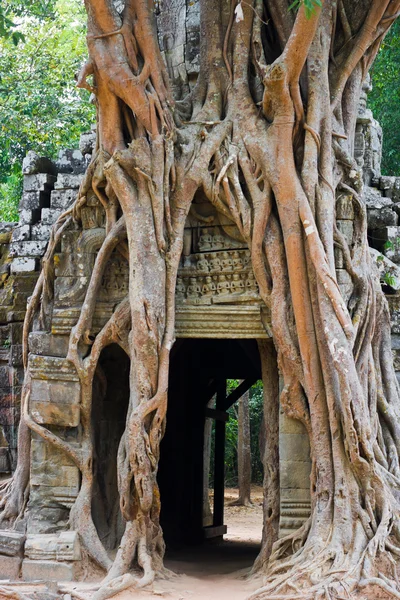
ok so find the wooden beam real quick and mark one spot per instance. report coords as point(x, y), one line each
point(238, 392)
point(217, 415)
point(219, 458)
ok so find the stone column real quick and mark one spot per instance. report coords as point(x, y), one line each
point(295, 468)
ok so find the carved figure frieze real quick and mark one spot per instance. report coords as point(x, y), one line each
point(217, 278)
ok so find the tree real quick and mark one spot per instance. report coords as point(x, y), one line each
point(40, 107)
point(384, 99)
point(260, 137)
point(244, 452)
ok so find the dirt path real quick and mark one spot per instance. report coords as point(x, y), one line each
point(212, 571)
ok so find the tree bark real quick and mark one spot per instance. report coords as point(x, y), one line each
point(244, 452)
point(274, 165)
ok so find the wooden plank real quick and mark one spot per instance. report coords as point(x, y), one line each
point(218, 415)
point(219, 457)
point(213, 532)
point(238, 392)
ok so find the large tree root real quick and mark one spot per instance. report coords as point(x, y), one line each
point(266, 167)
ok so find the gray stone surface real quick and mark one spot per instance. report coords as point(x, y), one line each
point(10, 567)
point(33, 163)
point(47, 570)
point(11, 542)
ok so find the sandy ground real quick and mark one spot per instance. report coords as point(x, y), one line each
point(212, 571)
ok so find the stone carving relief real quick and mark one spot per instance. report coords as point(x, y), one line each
point(217, 277)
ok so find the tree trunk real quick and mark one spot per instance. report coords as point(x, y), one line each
point(267, 134)
point(207, 514)
point(244, 452)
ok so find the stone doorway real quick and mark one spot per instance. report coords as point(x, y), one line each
point(110, 404)
point(199, 371)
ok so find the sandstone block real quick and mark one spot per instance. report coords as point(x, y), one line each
point(346, 228)
point(40, 231)
point(33, 164)
point(23, 265)
point(295, 474)
point(5, 462)
point(63, 415)
point(374, 200)
point(31, 249)
point(386, 184)
point(294, 446)
point(28, 217)
point(62, 199)
point(344, 207)
point(71, 161)
point(87, 142)
point(47, 570)
point(68, 181)
point(289, 426)
point(33, 200)
point(46, 344)
point(10, 567)
point(381, 218)
point(11, 542)
point(50, 216)
point(21, 233)
point(39, 182)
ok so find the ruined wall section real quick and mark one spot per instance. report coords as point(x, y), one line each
point(48, 189)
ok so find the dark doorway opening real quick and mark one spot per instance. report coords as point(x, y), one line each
point(110, 405)
point(199, 370)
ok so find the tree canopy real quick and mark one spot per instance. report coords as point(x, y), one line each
point(40, 107)
point(42, 45)
point(384, 99)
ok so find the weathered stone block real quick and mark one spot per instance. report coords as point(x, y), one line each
point(346, 228)
point(23, 265)
point(374, 200)
point(33, 164)
point(47, 570)
point(295, 474)
point(39, 182)
point(386, 184)
point(34, 200)
point(68, 181)
point(344, 207)
point(63, 415)
point(50, 216)
point(10, 567)
point(68, 546)
point(11, 542)
point(87, 142)
point(71, 161)
point(287, 425)
point(29, 217)
point(31, 249)
point(62, 199)
point(16, 352)
point(5, 462)
point(382, 217)
point(40, 231)
point(46, 344)
point(294, 446)
point(21, 233)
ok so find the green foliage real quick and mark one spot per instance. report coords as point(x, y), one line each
point(309, 6)
point(231, 440)
point(384, 100)
point(389, 279)
point(40, 107)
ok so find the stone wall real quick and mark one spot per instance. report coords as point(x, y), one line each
point(49, 189)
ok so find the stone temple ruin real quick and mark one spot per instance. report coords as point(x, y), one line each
point(221, 324)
